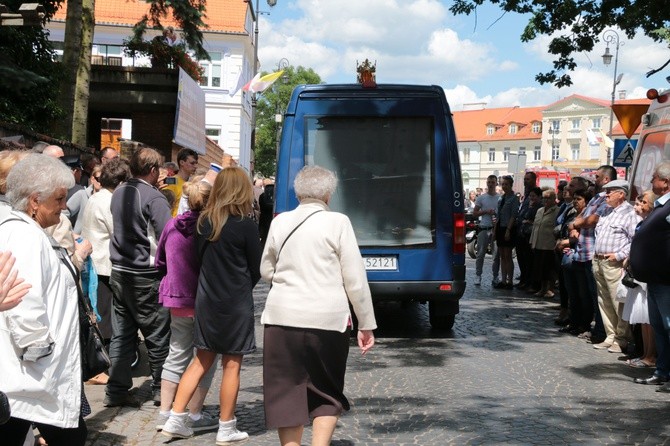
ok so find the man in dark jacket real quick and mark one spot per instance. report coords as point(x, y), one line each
point(140, 213)
point(649, 260)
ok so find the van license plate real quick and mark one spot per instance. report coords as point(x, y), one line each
point(381, 263)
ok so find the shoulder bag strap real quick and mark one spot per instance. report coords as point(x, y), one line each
point(291, 233)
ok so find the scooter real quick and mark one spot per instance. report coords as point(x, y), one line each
point(472, 231)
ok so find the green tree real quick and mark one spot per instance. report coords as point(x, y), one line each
point(579, 24)
point(28, 75)
point(43, 95)
point(271, 102)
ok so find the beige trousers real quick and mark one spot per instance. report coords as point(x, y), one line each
point(608, 275)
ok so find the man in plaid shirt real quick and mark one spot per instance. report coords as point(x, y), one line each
point(614, 233)
point(586, 225)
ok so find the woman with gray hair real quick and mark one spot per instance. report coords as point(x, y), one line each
point(39, 339)
point(313, 262)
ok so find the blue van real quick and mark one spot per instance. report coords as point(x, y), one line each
point(393, 148)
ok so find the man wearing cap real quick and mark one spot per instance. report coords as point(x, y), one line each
point(74, 163)
point(649, 260)
point(614, 233)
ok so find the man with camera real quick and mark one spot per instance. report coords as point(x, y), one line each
point(187, 159)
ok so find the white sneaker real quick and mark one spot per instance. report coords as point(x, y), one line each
point(177, 426)
point(204, 423)
point(228, 433)
point(478, 280)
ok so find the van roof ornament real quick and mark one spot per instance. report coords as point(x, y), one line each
point(366, 73)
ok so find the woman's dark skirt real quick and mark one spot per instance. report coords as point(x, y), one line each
point(500, 237)
point(303, 374)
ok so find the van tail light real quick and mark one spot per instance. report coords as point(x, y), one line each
point(459, 234)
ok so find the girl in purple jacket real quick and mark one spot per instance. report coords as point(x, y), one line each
point(177, 259)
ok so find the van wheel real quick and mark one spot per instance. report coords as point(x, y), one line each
point(440, 321)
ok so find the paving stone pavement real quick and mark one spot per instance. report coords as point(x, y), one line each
point(503, 375)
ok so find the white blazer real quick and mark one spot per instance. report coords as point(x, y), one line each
point(46, 390)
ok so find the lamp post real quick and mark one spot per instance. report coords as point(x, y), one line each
point(611, 36)
point(256, 12)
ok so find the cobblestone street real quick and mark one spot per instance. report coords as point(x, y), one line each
point(504, 375)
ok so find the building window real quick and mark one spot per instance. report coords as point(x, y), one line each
point(537, 127)
point(466, 155)
point(212, 70)
point(596, 123)
point(512, 129)
point(492, 154)
point(574, 148)
point(214, 133)
point(555, 149)
point(556, 125)
point(506, 154)
point(576, 123)
point(537, 153)
point(489, 130)
point(522, 151)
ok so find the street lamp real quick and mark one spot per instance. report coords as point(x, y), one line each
point(256, 12)
point(611, 36)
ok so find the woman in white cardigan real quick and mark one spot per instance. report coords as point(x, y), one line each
point(313, 261)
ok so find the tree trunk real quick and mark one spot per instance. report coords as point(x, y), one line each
point(72, 41)
point(83, 79)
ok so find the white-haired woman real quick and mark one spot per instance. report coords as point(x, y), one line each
point(39, 339)
point(313, 261)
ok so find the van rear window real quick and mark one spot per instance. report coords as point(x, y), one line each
point(384, 167)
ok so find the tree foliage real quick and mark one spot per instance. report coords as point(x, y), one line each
point(579, 24)
point(28, 76)
point(271, 102)
point(188, 14)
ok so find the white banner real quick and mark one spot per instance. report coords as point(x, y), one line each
point(189, 121)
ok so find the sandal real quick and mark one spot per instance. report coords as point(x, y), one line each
point(638, 363)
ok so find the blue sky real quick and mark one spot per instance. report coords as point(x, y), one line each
point(419, 41)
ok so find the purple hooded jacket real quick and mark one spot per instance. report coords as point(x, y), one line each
point(176, 257)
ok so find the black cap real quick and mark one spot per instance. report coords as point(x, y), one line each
point(72, 161)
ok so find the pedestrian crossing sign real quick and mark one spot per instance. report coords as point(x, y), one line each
point(623, 152)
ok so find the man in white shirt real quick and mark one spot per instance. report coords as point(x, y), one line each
point(486, 207)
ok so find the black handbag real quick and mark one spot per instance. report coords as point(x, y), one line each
point(5, 411)
point(627, 280)
point(94, 356)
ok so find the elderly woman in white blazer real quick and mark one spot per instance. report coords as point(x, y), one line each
point(39, 338)
point(313, 261)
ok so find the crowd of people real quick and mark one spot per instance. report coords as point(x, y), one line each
point(607, 258)
point(174, 253)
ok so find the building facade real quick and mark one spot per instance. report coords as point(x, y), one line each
point(569, 135)
point(229, 42)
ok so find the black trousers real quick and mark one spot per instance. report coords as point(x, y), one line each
point(13, 433)
point(135, 306)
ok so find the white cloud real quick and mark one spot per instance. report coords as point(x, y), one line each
point(417, 42)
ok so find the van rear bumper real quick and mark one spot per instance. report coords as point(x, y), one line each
point(425, 290)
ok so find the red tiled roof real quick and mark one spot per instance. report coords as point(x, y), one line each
point(471, 125)
point(221, 15)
